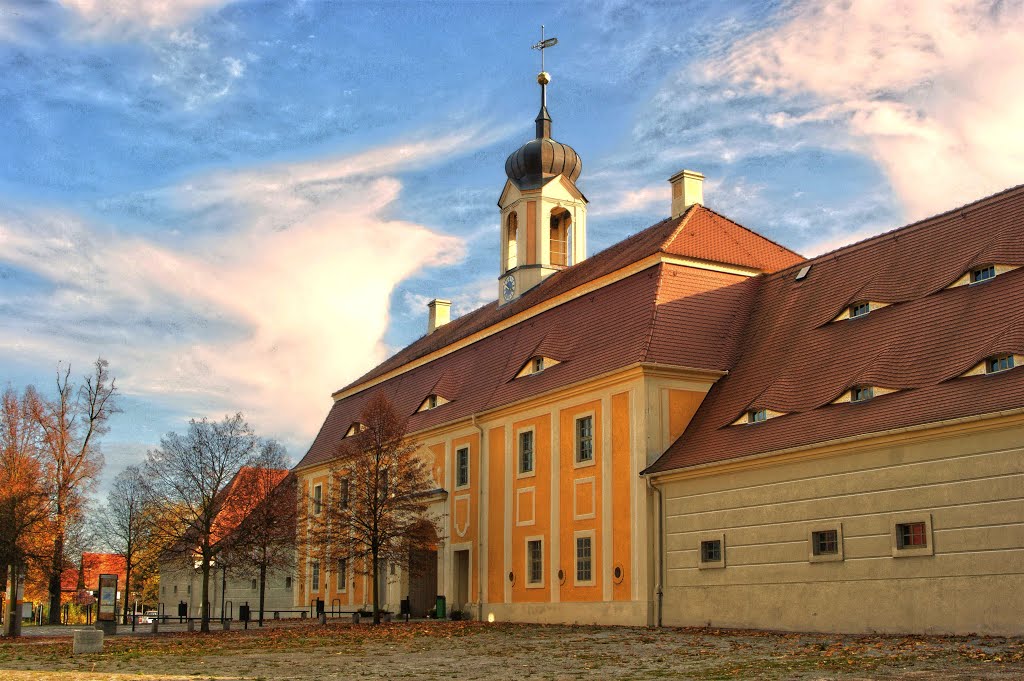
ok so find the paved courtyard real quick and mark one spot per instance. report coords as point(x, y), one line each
point(429, 650)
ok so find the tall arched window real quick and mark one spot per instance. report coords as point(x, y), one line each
point(511, 243)
point(561, 224)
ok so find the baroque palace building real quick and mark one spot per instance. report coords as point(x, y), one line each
point(697, 426)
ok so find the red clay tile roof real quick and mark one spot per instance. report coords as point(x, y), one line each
point(793, 359)
point(698, 233)
point(241, 496)
point(666, 313)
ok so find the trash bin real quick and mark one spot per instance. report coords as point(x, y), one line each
point(441, 607)
point(319, 606)
point(243, 613)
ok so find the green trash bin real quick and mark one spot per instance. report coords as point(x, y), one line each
point(441, 608)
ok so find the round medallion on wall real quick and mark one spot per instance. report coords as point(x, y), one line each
point(512, 577)
point(561, 576)
point(508, 290)
point(617, 574)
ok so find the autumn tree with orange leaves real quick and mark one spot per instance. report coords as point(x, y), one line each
point(376, 507)
point(24, 507)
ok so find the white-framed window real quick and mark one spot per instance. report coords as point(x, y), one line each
point(318, 499)
point(980, 274)
point(825, 543)
point(859, 309)
point(585, 439)
point(993, 365)
point(912, 536)
point(711, 551)
point(525, 452)
point(343, 493)
point(314, 569)
point(584, 558)
point(462, 467)
point(534, 562)
point(757, 415)
point(343, 574)
point(861, 393)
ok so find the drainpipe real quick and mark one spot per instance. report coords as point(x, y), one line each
point(480, 524)
point(660, 552)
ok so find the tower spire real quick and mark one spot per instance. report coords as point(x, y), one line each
point(544, 118)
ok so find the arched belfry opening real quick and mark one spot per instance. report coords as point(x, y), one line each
point(560, 231)
point(512, 241)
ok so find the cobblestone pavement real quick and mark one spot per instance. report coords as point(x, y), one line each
point(428, 650)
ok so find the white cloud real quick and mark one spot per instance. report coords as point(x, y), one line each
point(116, 16)
point(286, 301)
point(929, 90)
point(633, 200)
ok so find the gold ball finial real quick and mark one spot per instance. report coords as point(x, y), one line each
point(543, 77)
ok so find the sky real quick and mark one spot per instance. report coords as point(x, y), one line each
point(244, 206)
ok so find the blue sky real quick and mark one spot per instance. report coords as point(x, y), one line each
point(246, 205)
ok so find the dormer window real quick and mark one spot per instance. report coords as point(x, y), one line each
point(433, 401)
point(994, 365)
point(981, 274)
point(859, 309)
point(757, 415)
point(861, 393)
point(354, 429)
point(535, 365)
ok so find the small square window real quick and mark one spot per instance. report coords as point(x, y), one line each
point(826, 544)
point(462, 467)
point(534, 561)
point(757, 415)
point(711, 551)
point(584, 559)
point(862, 393)
point(585, 439)
point(912, 536)
point(859, 309)
point(983, 274)
point(526, 451)
point(994, 365)
point(538, 364)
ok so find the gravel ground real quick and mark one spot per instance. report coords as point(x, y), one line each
point(429, 650)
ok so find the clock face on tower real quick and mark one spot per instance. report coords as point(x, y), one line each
point(509, 288)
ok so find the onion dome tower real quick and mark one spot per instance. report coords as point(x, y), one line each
point(543, 213)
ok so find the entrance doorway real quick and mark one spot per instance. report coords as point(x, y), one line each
point(461, 576)
point(422, 582)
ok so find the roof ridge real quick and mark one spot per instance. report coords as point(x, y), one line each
point(923, 223)
point(757, 234)
point(684, 218)
point(646, 349)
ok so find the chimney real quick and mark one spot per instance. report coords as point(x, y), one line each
point(687, 189)
point(440, 314)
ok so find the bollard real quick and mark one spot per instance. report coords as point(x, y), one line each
point(154, 627)
point(323, 618)
point(355, 618)
point(227, 625)
point(88, 641)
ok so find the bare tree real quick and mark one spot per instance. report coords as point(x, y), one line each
point(24, 507)
point(126, 525)
point(71, 424)
point(191, 475)
point(377, 504)
point(263, 543)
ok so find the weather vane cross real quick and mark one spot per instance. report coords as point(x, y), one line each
point(544, 44)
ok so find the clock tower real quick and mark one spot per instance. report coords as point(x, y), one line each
point(543, 213)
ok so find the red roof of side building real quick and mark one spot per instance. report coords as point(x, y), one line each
point(699, 233)
point(794, 359)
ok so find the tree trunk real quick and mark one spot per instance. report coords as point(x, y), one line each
point(376, 589)
point(263, 588)
point(127, 581)
point(204, 625)
point(56, 570)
